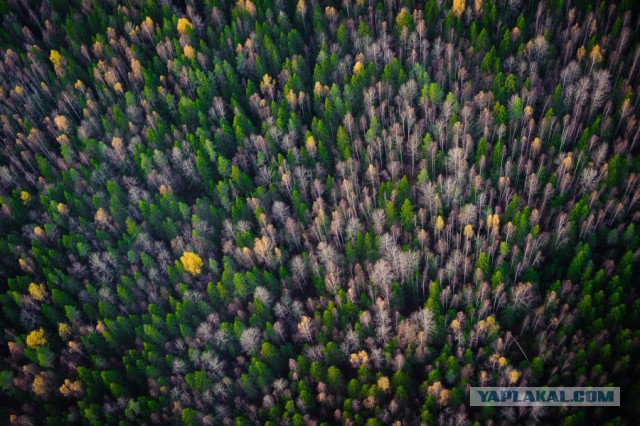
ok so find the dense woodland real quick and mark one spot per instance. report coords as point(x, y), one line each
point(293, 213)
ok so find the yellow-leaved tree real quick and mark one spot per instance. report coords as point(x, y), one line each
point(502, 361)
point(514, 375)
point(37, 291)
point(191, 262)
point(25, 197)
point(61, 122)
point(183, 25)
point(39, 232)
point(101, 216)
point(383, 383)
point(496, 222)
point(458, 7)
point(267, 85)
point(62, 209)
point(56, 59)
point(493, 222)
point(439, 226)
point(71, 388)
point(63, 330)
point(468, 231)
point(310, 145)
point(36, 338)
point(40, 384)
point(189, 51)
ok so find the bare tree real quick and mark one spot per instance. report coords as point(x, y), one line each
point(250, 340)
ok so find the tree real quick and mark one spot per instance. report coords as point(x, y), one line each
point(382, 275)
point(71, 388)
point(537, 368)
point(458, 8)
point(425, 319)
point(41, 384)
point(191, 262)
point(36, 338)
point(250, 340)
point(305, 328)
point(37, 291)
point(184, 25)
point(601, 88)
point(406, 214)
point(439, 225)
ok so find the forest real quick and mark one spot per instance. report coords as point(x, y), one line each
point(295, 212)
